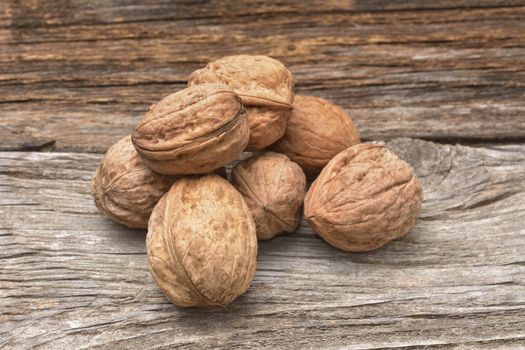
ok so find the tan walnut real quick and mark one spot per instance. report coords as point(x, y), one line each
point(364, 198)
point(124, 188)
point(265, 86)
point(274, 188)
point(315, 133)
point(201, 243)
point(193, 131)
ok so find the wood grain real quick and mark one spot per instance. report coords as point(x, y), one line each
point(76, 75)
point(70, 278)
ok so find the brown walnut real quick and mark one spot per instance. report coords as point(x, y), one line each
point(315, 133)
point(201, 243)
point(265, 86)
point(193, 131)
point(364, 198)
point(274, 188)
point(124, 188)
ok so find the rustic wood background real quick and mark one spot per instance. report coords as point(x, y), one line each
point(441, 82)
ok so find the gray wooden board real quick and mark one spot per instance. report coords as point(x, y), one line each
point(69, 278)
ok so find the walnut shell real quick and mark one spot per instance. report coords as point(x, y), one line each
point(364, 198)
point(124, 188)
point(201, 243)
point(266, 90)
point(274, 188)
point(193, 131)
point(267, 125)
point(316, 132)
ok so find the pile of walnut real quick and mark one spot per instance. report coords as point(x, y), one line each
point(169, 176)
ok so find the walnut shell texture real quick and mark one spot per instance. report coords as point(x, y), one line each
point(193, 131)
point(201, 243)
point(266, 126)
point(364, 198)
point(266, 89)
point(124, 188)
point(274, 188)
point(316, 131)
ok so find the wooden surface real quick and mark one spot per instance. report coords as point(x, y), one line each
point(76, 75)
point(72, 279)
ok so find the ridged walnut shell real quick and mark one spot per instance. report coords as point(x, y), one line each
point(317, 131)
point(201, 243)
point(364, 198)
point(193, 131)
point(265, 86)
point(274, 188)
point(124, 188)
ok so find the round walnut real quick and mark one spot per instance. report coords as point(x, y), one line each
point(315, 133)
point(265, 87)
point(274, 189)
point(124, 188)
point(364, 198)
point(193, 131)
point(201, 243)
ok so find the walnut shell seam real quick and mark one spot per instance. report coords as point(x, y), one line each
point(177, 261)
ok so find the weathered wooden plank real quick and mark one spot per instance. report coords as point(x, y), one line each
point(70, 278)
point(76, 76)
point(100, 11)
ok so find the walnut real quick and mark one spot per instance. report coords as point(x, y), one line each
point(124, 188)
point(201, 243)
point(265, 87)
point(274, 189)
point(315, 133)
point(193, 131)
point(364, 198)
